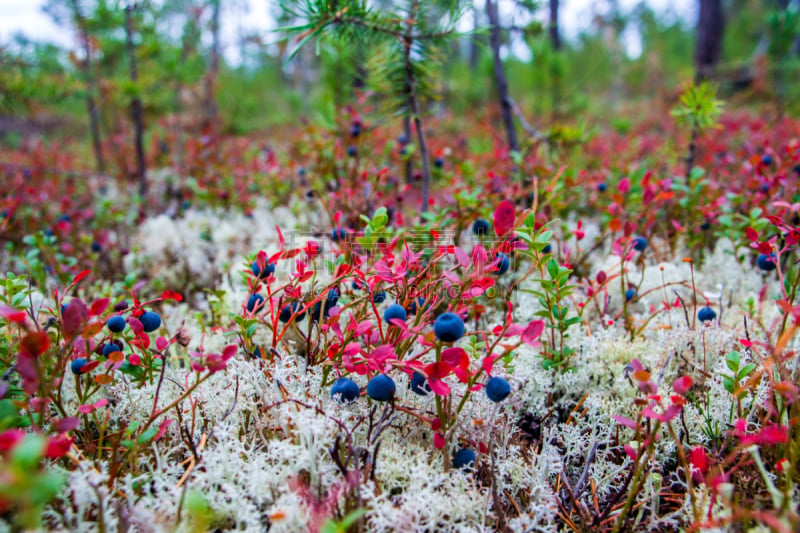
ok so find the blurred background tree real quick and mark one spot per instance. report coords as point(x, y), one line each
point(190, 82)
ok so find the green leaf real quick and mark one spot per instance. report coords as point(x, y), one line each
point(728, 383)
point(147, 436)
point(27, 454)
point(745, 371)
point(552, 268)
point(732, 360)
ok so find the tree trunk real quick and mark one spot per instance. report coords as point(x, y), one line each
point(91, 108)
point(555, 39)
point(407, 136)
point(474, 51)
point(136, 105)
point(413, 107)
point(213, 66)
point(500, 76)
point(708, 47)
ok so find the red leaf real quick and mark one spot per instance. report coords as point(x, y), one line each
point(58, 446)
point(682, 385)
point(229, 351)
point(438, 370)
point(342, 270)
point(532, 332)
point(98, 306)
point(631, 451)
point(88, 367)
point(627, 422)
point(80, 276)
point(288, 254)
point(455, 357)
point(10, 438)
point(504, 218)
point(772, 434)
point(34, 344)
point(462, 257)
point(161, 343)
point(27, 369)
point(75, 316)
point(280, 236)
point(439, 387)
point(162, 429)
point(488, 364)
point(171, 295)
point(12, 315)
point(752, 235)
point(699, 459)
point(67, 424)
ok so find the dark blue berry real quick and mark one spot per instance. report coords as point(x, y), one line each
point(602, 187)
point(355, 130)
point(497, 389)
point(77, 365)
point(96, 246)
point(448, 327)
point(480, 227)
point(301, 172)
point(333, 297)
point(438, 162)
point(255, 300)
point(464, 458)
point(268, 270)
point(111, 347)
point(766, 263)
point(706, 314)
point(629, 294)
point(639, 244)
point(121, 306)
point(289, 310)
point(116, 324)
point(503, 264)
point(766, 160)
point(338, 234)
point(346, 389)
point(419, 384)
point(547, 249)
point(330, 302)
point(394, 311)
point(706, 225)
point(379, 297)
point(416, 305)
point(352, 151)
point(64, 218)
point(381, 388)
point(150, 321)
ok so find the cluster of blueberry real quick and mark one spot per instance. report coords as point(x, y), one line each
point(448, 328)
point(116, 324)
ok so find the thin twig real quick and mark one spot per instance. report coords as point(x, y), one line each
point(585, 475)
point(530, 130)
